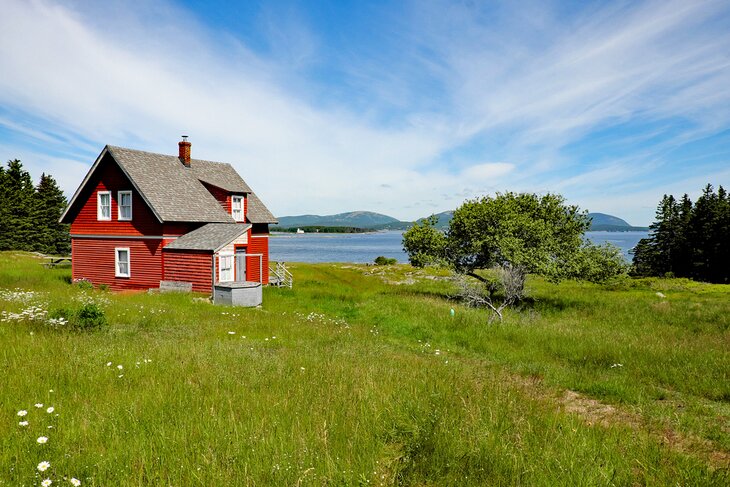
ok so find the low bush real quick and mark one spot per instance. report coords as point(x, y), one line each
point(382, 260)
point(88, 317)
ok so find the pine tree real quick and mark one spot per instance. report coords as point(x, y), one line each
point(688, 240)
point(17, 230)
point(49, 203)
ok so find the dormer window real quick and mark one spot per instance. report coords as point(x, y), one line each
point(237, 208)
point(104, 205)
point(124, 200)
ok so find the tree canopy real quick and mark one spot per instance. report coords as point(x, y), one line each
point(516, 234)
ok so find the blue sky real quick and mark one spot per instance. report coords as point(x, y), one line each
point(404, 108)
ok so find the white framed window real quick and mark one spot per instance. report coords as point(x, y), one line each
point(104, 205)
point(124, 205)
point(121, 262)
point(225, 267)
point(237, 208)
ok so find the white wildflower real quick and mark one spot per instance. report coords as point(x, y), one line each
point(120, 375)
point(42, 440)
point(23, 423)
point(46, 483)
point(39, 405)
point(22, 412)
point(43, 466)
point(75, 482)
point(120, 366)
point(231, 332)
point(108, 364)
point(50, 410)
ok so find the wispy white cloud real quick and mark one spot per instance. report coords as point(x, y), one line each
point(446, 87)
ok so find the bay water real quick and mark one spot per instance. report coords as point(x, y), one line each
point(365, 247)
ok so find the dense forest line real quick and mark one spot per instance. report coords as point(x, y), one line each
point(29, 213)
point(688, 239)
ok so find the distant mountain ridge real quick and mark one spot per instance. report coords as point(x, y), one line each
point(359, 219)
point(377, 221)
point(609, 223)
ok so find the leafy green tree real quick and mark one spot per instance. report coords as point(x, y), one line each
point(526, 232)
point(515, 234)
point(424, 244)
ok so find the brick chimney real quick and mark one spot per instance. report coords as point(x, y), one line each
point(184, 147)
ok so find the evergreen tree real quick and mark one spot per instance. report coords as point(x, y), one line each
point(17, 230)
point(52, 237)
point(688, 240)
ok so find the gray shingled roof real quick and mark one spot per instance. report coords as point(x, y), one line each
point(212, 237)
point(174, 192)
point(257, 211)
point(219, 174)
point(170, 188)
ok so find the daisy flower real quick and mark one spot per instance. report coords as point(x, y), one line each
point(47, 483)
point(50, 410)
point(75, 482)
point(39, 405)
point(22, 412)
point(42, 439)
point(43, 466)
point(23, 423)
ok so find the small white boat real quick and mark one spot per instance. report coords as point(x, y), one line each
point(299, 230)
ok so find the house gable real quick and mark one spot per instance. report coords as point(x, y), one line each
point(106, 175)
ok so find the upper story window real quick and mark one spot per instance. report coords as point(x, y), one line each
point(124, 200)
point(237, 208)
point(104, 205)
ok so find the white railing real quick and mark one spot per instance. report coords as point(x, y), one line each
point(282, 275)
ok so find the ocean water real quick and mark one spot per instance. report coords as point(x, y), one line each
point(365, 247)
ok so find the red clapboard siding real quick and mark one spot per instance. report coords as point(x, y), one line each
point(109, 177)
point(94, 259)
point(223, 196)
point(177, 229)
point(258, 244)
point(190, 266)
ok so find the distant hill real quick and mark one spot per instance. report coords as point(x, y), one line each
point(359, 219)
point(378, 221)
point(601, 222)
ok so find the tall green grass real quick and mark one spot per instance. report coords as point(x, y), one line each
point(360, 376)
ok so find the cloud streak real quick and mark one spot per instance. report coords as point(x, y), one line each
point(440, 91)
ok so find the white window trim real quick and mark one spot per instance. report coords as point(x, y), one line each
point(220, 267)
point(238, 198)
point(119, 206)
point(99, 215)
point(116, 262)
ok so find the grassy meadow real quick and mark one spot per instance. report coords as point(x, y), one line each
point(360, 375)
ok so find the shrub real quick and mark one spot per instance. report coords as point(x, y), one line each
point(84, 284)
point(382, 260)
point(88, 317)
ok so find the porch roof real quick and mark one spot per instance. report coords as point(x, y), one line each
point(212, 237)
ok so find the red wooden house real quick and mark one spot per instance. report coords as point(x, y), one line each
point(139, 218)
